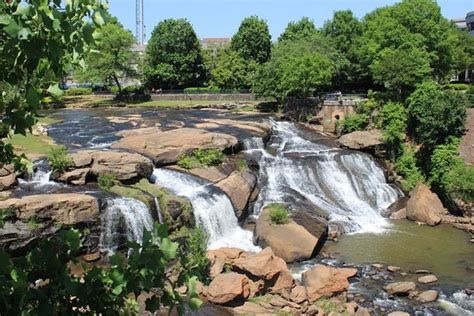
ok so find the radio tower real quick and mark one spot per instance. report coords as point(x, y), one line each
point(140, 27)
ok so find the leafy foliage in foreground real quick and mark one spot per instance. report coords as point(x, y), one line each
point(34, 55)
point(41, 282)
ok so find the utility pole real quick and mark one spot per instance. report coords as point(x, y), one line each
point(140, 24)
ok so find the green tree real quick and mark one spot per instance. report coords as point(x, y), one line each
point(174, 58)
point(400, 69)
point(344, 29)
point(39, 40)
point(253, 41)
point(302, 29)
point(435, 114)
point(112, 58)
point(296, 68)
point(231, 71)
point(394, 124)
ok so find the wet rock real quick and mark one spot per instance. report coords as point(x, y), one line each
point(268, 267)
point(91, 257)
point(68, 209)
point(166, 147)
point(428, 296)
point(401, 214)
point(17, 237)
point(228, 287)
point(377, 266)
point(398, 313)
point(139, 131)
point(76, 176)
point(238, 187)
point(323, 280)
point(393, 269)
point(8, 177)
point(428, 279)
point(291, 242)
point(424, 206)
point(400, 288)
point(463, 223)
point(361, 140)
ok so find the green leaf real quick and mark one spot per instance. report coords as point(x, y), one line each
point(168, 248)
point(98, 18)
point(32, 97)
point(12, 28)
point(14, 275)
point(55, 90)
point(195, 303)
point(24, 10)
point(5, 19)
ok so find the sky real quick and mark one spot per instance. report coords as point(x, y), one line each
point(221, 18)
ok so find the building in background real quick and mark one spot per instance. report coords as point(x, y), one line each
point(465, 25)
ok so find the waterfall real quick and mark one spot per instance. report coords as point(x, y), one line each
point(158, 210)
point(124, 216)
point(212, 209)
point(253, 143)
point(349, 187)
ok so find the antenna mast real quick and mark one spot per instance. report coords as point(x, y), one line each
point(140, 25)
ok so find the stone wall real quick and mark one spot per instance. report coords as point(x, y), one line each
point(318, 111)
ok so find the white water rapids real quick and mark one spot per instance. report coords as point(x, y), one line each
point(212, 209)
point(124, 216)
point(349, 187)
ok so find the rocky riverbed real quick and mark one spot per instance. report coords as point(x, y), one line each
point(339, 252)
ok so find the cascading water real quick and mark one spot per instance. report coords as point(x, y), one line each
point(349, 187)
point(124, 216)
point(212, 209)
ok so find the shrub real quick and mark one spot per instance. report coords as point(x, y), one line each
point(459, 183)
point(470, 96)
point(133, 94)
point(106, 180)
point(78, 91)
point(435, 114)
point(196, 90)
point(355, 122)
point(201, 157)
point(242, 165)
point(394, 123)
point(105, 291)
point(59, 160)
point(456, 86)
point(278, 214)
point(406, 166)
point(197, 262)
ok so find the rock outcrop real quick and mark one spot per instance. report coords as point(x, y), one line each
point(165, 147)
point(17, 236)
point(361, 140)
point(291, 242)
point(323, 280)
point(7, 177)
point(228, 287)
point(238, 187)
point(400, 288)
point(267, 267)
point(89, 164)
point(67, 209)
point(424, 206)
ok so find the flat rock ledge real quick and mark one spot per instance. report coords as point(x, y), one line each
point(361, 140)
point(164, 148)
point(89, 164)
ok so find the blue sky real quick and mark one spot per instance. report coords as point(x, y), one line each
point(221, 18)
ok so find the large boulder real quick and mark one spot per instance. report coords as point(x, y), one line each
point(291, 242)
point(228, 287)
point(68, 208)
point(323, 280)
point(165, 148)
point(424, 206)
point(238, 187)
point(126, 167)
point(266, 266)
point(362, 140)
point(18, 236)
point(400, 288)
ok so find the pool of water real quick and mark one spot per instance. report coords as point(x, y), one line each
point(443, 250)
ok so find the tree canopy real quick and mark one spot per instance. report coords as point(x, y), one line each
point(112, 58)
point(253, 41)
point(174, 58)
point(231, 71)
point(302, 29)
